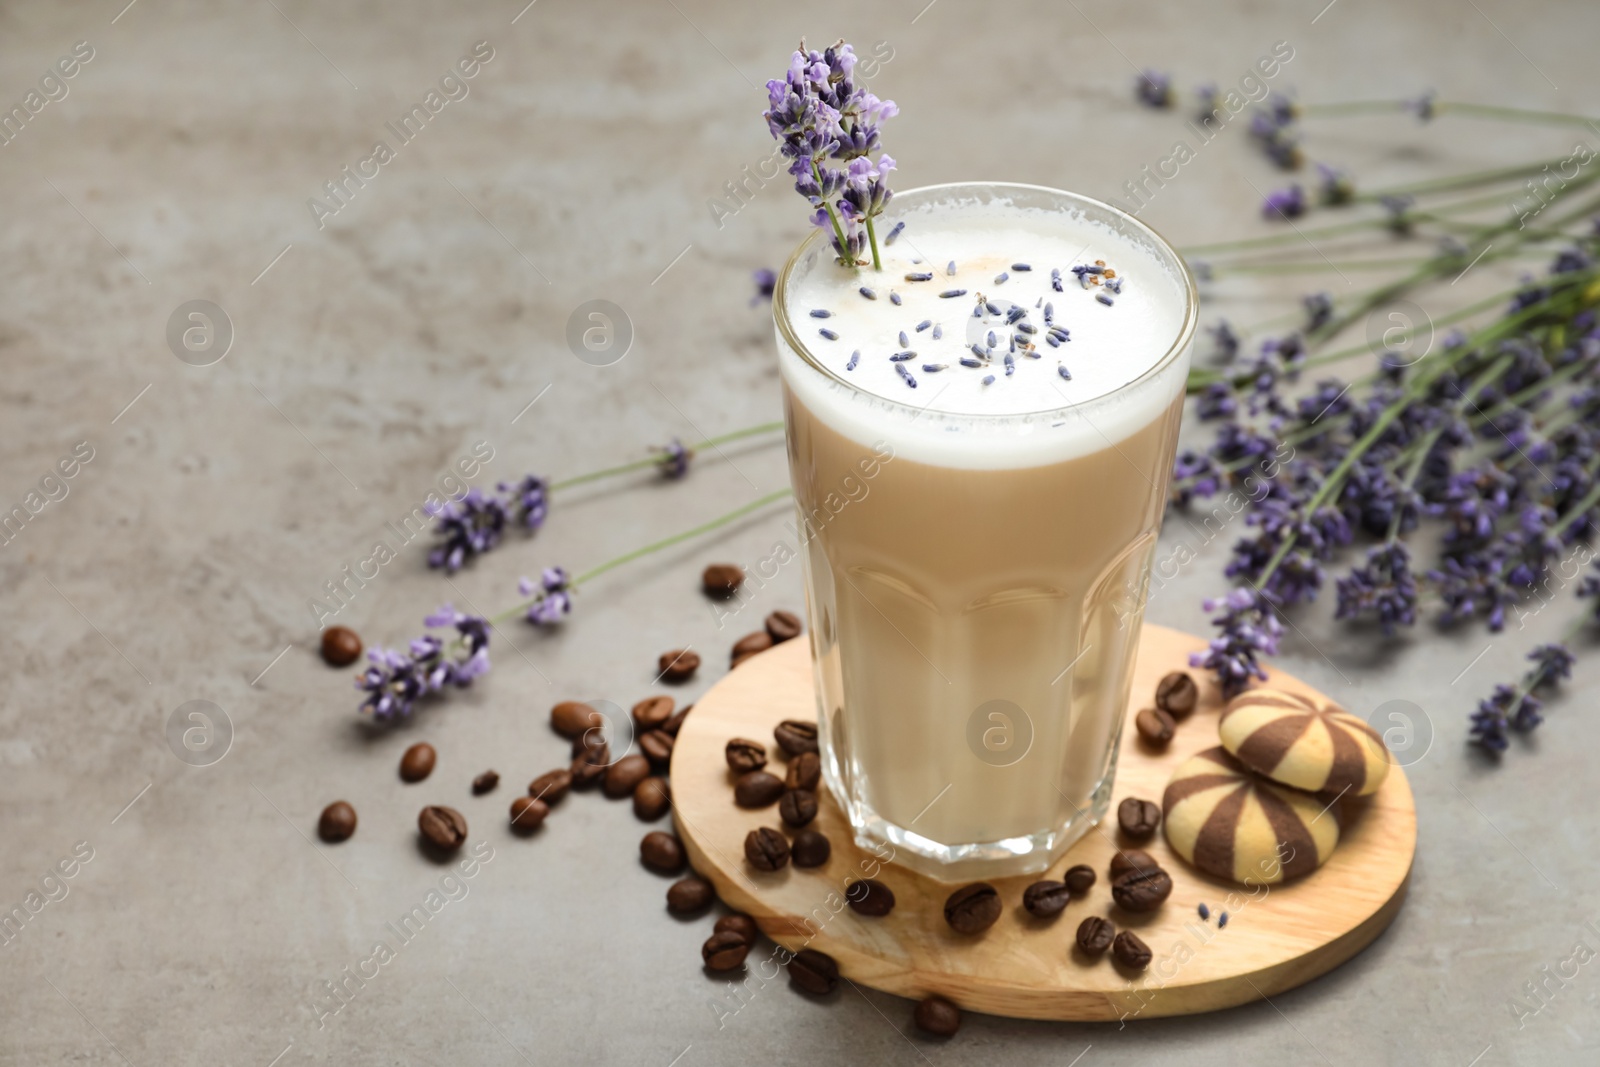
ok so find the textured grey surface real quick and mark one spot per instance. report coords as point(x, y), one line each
point(424, 318)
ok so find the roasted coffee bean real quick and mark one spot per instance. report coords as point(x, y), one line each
point(810, 849)
point(678, 665)
point(340, 646)
point(1130, 951)
point(798, 807)
point(766, 849)
point(938, 1017)
point(973, 908)
point(338, 822)
point(1141, 890)
point(1079, 878)
point(796, 736)
point(442, 828)
point(417, 763)
point(689, 895)
point(1130, 859)
point(1095, 935)
point(551, 786)
point(869, 897)
point(624, 776)
point(674, 724)
point(591, 740)
point(1046, 900)
point(661, 852)
point(1139, 819)
point(1155, 727)
point(570, 718)
point(722, 580)
point(783, 626)
point(744, 755)
point(1177, 695)
point(725, 951)
point(652, 799)
point(805, 771)
point(813, 971)
point(485, 782)
point(657, 748)
point(527, 814)
point(757, 789)
point(749, 645)
point(739, 923)
point(590, 767)
point(652, 713)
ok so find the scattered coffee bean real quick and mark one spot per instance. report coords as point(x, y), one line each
point(725, 951)
point(338, 822)
point(739, 923)
point(1130, 951)
point(1139, 819)
point(810, 848)
point(869, 897)
point(551, 786)
point(624, 776)
point(591, 740)
point(442, 828)
point(805, 771)
point(417, 763)
point(798, 807)
point(674, 724)
point(589, 768)
point(1141, 890)
point(652, 713)
point(527, 814)
point(689, 895)
point(652, 799)
point(722, 580)
point(766, 849)
point(795, 736)
point(571, 718)
point(661, 852)
point(1129, 859)
point(1046, 900)
point(783, 626)
point(485, 782)
point(657, 748)
point(938, 1017)
point(1079, 878)
point(973, 908)
point(1155, 727)
point(813, 971)
point(744, 755)
point(1177, 695)
point(749, 645)
point(678, 665)
point(757, 789)
point(340, 646)
point(1095, 935)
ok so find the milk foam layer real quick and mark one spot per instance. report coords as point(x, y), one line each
point(1033, 415)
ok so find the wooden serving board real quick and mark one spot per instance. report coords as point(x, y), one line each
point(1276, 937)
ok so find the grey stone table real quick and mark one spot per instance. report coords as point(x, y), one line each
point(377, 339)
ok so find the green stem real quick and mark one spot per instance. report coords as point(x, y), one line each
point(1443, 107)
point(838, 231)
point(1459, 181)
point(641, 464)
point(872, 237)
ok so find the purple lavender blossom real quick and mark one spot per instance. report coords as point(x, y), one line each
point(1384, 588)
point(1398, 209)
point(1423, 106)
point(554, 600)
point(1217, 402)
point(673, 459)
point(1334, 185)
point(1319, 309)
point(1154, 89)
point(1205, 103)
point(1552, 663)
point(1225, 343)
point(1507, 708)
point(529, 499)
point(766, 281)
point(1287, 203)
point(397, 680)
point(1249, 631)
point(469, 527)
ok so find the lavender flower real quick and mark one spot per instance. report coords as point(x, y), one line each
point(1398, 208)
point(1287, 203)
point(529, 499)
point(1249, 631)
point(1205, 103)
point(673, 459)
point(1153, 89)
point(1422, 106)
point(766, 281)
point(397, 680)
point(1319, 309)
point(1225, 343)
point(469, 527)
point(1552, 663)
point(553, 600)
point(1335, 186)
point(1384, 588)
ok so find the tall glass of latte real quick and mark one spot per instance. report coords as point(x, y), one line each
point(980, 437)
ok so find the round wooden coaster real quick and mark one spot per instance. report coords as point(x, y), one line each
point(1276, 937)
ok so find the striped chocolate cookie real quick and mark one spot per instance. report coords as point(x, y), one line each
point(1296, 741)
point(1235, 825)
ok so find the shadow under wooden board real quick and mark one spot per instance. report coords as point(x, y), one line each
point(1277, 937)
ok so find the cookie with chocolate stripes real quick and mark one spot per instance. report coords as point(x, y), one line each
point(1236, 825)
point(1310, 745)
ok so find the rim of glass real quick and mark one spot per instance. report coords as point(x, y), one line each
point(1191, 302)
